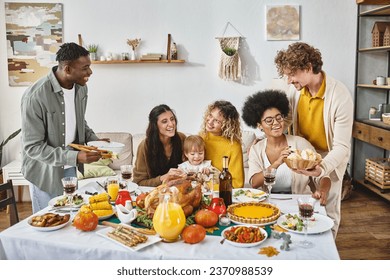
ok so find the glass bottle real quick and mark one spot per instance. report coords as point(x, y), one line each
point(169, 219)
point(225, 183)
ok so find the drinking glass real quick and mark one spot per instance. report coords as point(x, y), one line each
point(126, 171)
point(306, 210)
point(70, 186)
point(269, 180)
point(113, 188)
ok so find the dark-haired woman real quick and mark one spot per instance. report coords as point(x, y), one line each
point(160, 153)
point(267, 110)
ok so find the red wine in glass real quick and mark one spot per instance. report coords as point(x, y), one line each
point(306, 210)
point(126, 175)
point(69, 188)
point(269, 179)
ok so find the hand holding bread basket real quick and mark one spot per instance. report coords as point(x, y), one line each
point(306, 159)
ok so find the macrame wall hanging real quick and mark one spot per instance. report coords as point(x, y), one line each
point(230, 62)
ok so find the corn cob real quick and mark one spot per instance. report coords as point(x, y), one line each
point(98, 198)
point(102, 205)
point(101, 213)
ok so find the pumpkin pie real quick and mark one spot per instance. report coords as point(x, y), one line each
point(253, 213)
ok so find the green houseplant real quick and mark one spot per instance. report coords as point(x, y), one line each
point(229, 51)
point(93, 48)
point(4, 142)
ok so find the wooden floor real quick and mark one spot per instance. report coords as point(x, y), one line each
point(364, 232)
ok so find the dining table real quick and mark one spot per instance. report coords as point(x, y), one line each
point(24, 242)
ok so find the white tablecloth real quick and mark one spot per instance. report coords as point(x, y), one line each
point(23, 242)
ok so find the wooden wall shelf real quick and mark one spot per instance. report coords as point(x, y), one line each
point(137, 61)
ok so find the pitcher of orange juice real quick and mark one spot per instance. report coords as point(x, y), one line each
point(169, 219)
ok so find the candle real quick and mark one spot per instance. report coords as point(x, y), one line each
point(223, 220)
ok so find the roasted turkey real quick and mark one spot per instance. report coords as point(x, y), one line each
point(189, 194)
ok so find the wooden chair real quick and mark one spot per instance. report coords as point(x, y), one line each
point(9, 201)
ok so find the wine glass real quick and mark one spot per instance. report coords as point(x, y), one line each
point(306, 210)
point(70, 186)
point(269, 180)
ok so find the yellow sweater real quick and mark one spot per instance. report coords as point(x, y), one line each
point(219, 146)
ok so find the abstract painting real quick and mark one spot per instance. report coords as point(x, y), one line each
point(34, 34)
point(283, 22)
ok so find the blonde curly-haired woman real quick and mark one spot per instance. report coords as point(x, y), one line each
point(221, 132)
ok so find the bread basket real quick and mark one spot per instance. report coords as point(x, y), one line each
point(299, 163)
point(386, 118)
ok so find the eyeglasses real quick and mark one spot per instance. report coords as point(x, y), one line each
point(270, 120)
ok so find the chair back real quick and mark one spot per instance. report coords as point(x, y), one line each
point(10, 201)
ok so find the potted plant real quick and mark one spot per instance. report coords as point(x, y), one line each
point(229, 51)
point(93, 48)
point(3, 143)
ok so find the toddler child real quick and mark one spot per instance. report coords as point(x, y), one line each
point(194, 150)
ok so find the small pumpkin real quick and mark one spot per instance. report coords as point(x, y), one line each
point(193, 234)
point(206, 218)
point(85, 219)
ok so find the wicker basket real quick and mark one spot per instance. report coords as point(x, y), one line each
point(378, 172)
point(301, 163)
point(386, 118)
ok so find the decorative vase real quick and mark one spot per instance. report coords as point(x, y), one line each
point(133, 55)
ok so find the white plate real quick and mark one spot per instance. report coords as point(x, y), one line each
point(108, 216)
point(152, 239)
point(131, 186)
point(320, 224)
point(244, 245)
point(47, 228)
point(114, 147)
point(244, 198)
point(55, 199)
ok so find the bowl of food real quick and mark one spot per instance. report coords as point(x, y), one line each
point(305, 159)
point(114, 147)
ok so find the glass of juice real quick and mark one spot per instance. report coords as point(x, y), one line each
point(113, 188)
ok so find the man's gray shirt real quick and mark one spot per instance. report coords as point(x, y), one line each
point(43, 132)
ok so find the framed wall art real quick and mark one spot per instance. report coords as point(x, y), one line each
point(34, 34)
point(283, 22)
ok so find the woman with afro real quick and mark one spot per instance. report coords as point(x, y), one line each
point(267, 110)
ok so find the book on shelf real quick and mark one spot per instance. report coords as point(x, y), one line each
point(151, 56)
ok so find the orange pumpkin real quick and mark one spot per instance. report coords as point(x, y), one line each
point(85, 219)
point(193, 234)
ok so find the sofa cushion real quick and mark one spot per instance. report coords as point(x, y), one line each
point(137, 139)
point(126, 156)
point(247, 140)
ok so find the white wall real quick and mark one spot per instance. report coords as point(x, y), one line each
point(121, 96)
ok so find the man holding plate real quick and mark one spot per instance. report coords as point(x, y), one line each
point(53, 116)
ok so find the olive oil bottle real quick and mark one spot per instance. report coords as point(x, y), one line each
point(225, 183)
